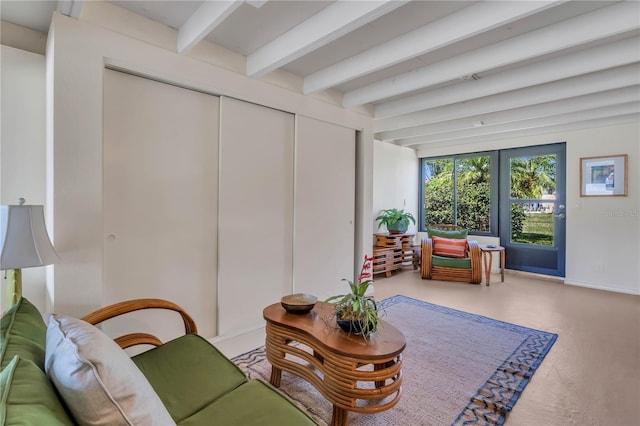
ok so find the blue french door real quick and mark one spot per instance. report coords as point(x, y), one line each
point(533, 208)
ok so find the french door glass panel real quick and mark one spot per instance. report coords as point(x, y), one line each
point(532, 208)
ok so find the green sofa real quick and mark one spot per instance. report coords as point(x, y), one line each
point(196, 383)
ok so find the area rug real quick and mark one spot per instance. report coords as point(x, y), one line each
point(458, 368)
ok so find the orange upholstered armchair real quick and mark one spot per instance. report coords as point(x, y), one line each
point(447, 255)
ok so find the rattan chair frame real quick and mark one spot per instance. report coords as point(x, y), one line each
point(121, 308)
point(471, 275)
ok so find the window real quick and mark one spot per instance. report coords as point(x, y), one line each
point(460, 190)
point(533, 194)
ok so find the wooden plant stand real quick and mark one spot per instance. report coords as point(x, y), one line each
point(393, 251)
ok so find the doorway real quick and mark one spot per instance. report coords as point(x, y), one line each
point(533, 208)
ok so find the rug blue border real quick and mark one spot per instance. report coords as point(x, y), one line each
point(493, 401)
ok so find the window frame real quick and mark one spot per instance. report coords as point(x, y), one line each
point(494, 187)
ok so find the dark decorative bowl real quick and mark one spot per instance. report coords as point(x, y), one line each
point(300, 303)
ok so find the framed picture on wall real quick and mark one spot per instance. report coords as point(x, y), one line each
point(603, 176)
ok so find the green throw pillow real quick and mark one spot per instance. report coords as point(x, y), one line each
point(457, 234)
point(27, 397)
point(22, 332)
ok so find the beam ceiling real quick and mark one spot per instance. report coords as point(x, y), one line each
point(435, 73)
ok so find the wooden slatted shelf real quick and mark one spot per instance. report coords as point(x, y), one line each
point(392, 252)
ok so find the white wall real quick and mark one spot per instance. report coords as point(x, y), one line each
point(79, 51)
point(395, 181)
point(603, 233)
point(22, 145)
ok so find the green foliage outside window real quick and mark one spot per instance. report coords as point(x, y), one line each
point(473, 193)
point(530, 178)
point(518, 216)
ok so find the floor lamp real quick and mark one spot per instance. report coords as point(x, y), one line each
point(24, 243)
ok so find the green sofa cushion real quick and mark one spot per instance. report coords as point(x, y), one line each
point(28, 397)
point(22, 332)
point(451, 262)
point(189, 373)
point(462, 233)
point(254, 403)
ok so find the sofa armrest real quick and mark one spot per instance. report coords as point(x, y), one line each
point(122, 308)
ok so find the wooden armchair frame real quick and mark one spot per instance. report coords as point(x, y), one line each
point(125, 307)
point(471, 275)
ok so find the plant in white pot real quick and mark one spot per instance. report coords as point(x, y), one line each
point(397, 221)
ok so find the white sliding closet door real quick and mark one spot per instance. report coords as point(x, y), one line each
point(324, 207)
point(160, 201)
point(256, 212)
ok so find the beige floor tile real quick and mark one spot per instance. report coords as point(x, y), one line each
point(591, 376)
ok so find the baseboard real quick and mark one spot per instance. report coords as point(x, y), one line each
point(601, 287)
point(532, 275)
point(240, 343)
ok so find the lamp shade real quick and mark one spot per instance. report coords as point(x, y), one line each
point(23, 237)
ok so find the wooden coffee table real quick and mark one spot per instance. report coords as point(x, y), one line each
point(353, 374)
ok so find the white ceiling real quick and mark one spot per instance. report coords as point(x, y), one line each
point(437, 72)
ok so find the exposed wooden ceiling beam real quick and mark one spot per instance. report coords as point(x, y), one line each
point(563, 106)
point(332, 22)
point(615, 78)
point(465, 23)
point(256, 3)
point(208, 16)
point(70, 8)
point(599, 24)
point(572, 117)
point(612, 55)
point(423, 149)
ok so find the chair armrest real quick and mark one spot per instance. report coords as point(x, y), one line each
point(474, 250)
point(426, 247)
point(133, 339)
point(476, 261)
point(125, 307)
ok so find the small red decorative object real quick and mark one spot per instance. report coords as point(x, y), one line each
point(366, 266)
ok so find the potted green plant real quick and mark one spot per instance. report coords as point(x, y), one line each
point(355, 312)
point(397, 221)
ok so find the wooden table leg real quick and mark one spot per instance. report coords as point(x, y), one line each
point(378, 367)
point(339, 417)
point(487, 258)
point(502, 264)
point(276, 376)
